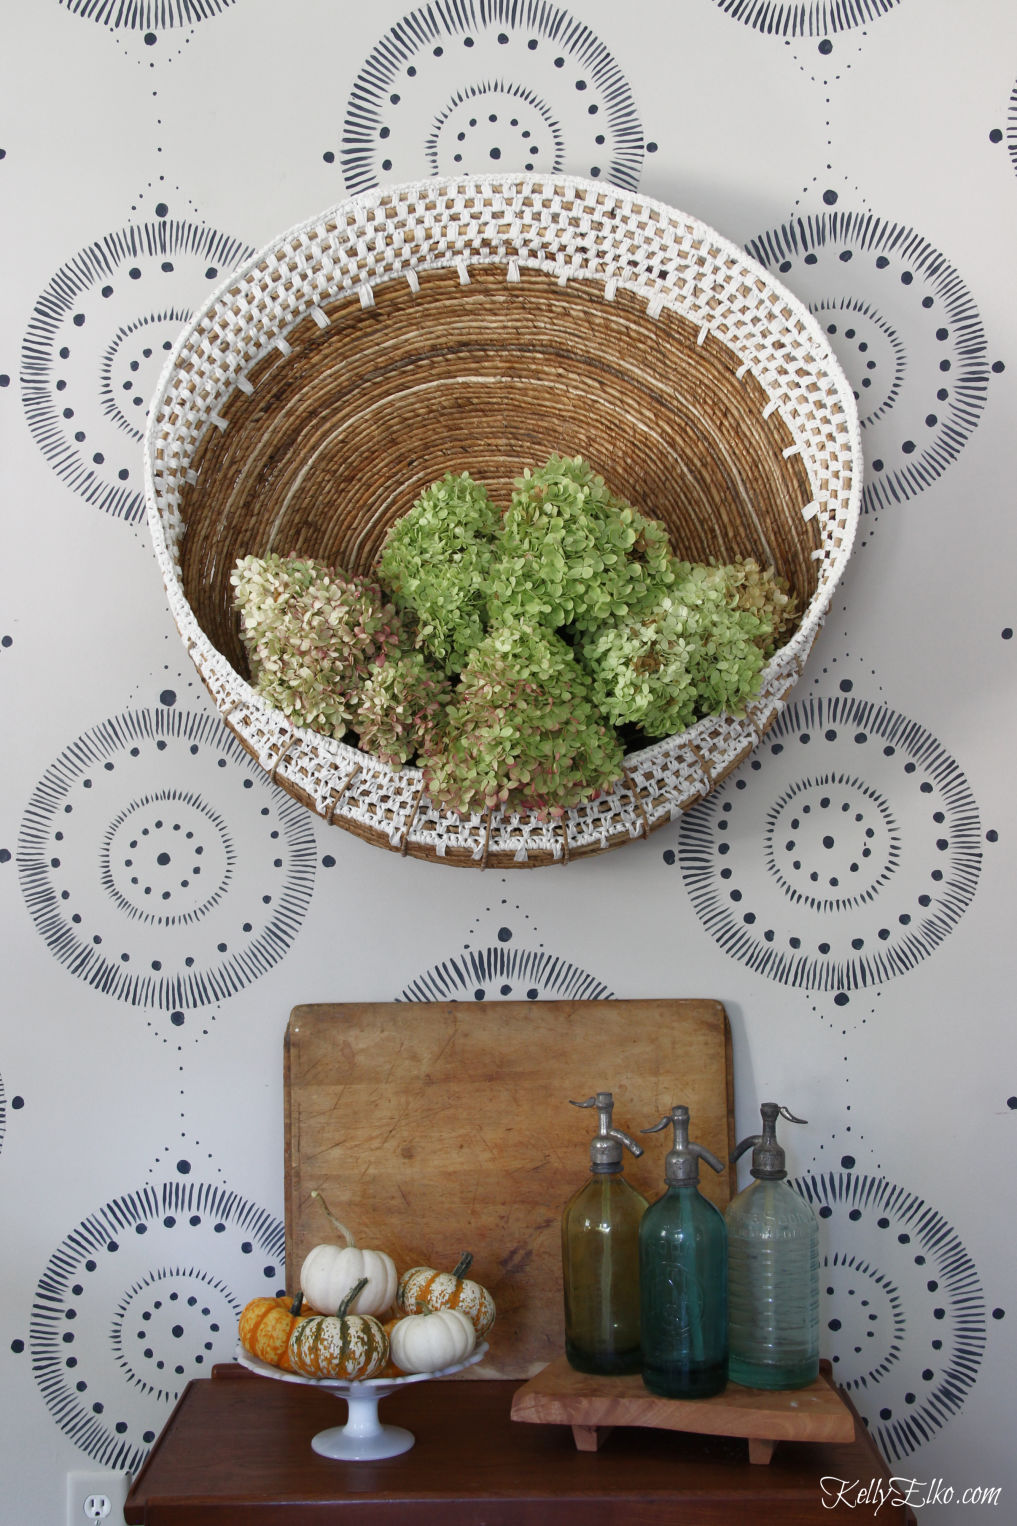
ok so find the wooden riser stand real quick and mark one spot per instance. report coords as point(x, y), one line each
point(592, 1406)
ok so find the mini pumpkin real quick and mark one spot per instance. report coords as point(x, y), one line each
point(422, 1287)
point(390, 1370)
point(344, 1345)
point(266, 1325)
point(431, 1341)
point(329, 1271)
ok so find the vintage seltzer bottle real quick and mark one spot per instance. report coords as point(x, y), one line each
point(600, 1255)
point(773, 1271)
point(683, 1276)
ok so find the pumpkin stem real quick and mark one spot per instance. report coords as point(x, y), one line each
point(463, 1265)
point(297, 1304)
point(351, 1296)
point(347, 1236)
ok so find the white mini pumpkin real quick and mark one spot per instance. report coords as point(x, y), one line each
point(330, 1271)
point(429, 1342)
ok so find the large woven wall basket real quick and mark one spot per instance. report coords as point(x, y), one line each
point(482, 325)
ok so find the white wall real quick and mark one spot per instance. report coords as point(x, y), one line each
point(134, 1099)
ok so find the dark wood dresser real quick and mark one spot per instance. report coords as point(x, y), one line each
point(237, 1452)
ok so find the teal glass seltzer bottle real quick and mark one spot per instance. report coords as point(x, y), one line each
point(683, 1277)
point(600, 1255)
point(773, 1270)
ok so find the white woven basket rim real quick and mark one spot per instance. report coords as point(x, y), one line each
point(697, 757)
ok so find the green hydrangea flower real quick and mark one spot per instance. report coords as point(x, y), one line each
point(657, 643)
point(694, 653)
point(762, 593)
point(522, 732)
point(436, 561)
point(312, 637)
point(401, 708)
point(572, 554)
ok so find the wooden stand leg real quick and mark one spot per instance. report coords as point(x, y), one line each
point(588, 1437)
point(760, 1450)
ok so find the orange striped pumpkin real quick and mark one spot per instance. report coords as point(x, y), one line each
point(423, 1289)
point(266, 1325)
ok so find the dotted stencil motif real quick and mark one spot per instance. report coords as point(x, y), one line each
point(906, 331)
point(842, 855)
point(145, 15)
point(508, 973)
point(141, 1297)
point(805, 18)
point(96, 344)
point(459, 87)
point(904, 1314)
point(159, 866)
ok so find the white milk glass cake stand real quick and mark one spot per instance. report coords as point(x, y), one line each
point(364, 1438)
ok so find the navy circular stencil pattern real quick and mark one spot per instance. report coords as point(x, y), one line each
point(841, 855)
point(906, 331)
point(158, 865)
point(512, 974)
point(96, 344)
point(475, 88)
point(147, 15)
point(141, 1297)
point(805, 18)
point(904, 1320)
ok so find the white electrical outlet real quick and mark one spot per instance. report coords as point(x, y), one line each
point(97, 1497)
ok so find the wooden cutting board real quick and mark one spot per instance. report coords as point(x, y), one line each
point(431, 1128)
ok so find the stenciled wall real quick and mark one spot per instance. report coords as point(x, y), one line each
point(847, 893)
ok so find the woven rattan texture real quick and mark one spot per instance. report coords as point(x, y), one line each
point(482, 325)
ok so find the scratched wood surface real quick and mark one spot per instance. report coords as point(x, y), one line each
point(434, 1128)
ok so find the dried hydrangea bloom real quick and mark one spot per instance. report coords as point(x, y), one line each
point(571, 553)
point(312, 636)
point(660, 643)
point(436, 561)
point(696, 652)
point(762, 592)
point(523, 732)
point(264, 587)
point(401, 708)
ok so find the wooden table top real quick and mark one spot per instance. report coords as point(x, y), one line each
point(237, 1452)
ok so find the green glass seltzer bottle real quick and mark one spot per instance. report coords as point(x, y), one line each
point(773, 1270)
point(600, 1255)
point(683, 1277)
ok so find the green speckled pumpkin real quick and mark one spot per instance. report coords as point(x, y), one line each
point(423, 1288)
point(341, 1345)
